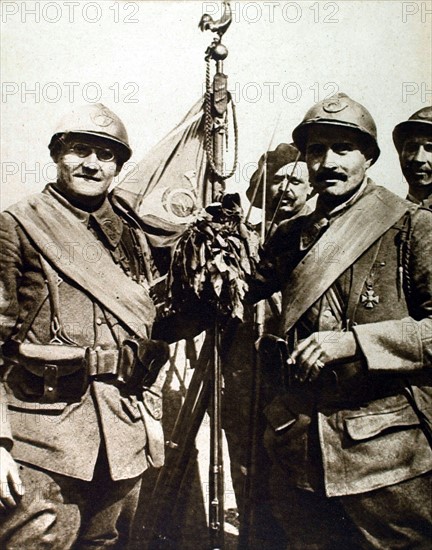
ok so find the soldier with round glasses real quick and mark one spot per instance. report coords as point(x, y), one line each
point(79, 393)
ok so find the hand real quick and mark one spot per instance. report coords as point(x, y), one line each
point(11, 486)
point(312, 354)
point(152, 354)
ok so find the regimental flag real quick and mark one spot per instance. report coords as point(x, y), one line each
point(170, 182)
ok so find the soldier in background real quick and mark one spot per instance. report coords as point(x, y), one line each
point(287, 185)
point(287, 189)
point(80, 397)
point(350, 431)
point(413, 141)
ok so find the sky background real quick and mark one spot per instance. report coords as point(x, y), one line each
point(145, 61)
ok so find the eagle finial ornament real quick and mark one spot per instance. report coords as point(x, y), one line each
point(220, 26)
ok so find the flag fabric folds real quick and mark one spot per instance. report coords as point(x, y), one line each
point(169, 183)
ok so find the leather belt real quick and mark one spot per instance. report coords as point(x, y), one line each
point(67, 359)
point(100, 362)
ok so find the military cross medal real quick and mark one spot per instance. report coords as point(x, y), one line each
point(369, 299)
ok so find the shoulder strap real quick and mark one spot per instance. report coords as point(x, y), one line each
point(66, 244)
point(31, 316)
point(52, 281)
point(351, 235)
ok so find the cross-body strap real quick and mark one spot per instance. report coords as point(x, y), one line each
point(351, 234)
point(75, 251)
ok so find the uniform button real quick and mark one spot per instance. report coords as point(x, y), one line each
point(99, 321)
point(97, 348)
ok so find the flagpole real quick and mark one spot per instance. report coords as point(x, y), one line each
point(216, 124)
point(216, 467)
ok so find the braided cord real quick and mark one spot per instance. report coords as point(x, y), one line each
point(407, 257)
point(404, 253)
point(209, 130)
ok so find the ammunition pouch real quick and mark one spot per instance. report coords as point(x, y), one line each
point(50, 372)
point(45, 373)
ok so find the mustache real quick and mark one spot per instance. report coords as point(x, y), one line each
point(286, 193)
point(324, 175)
point(87, 177)
point(417, 165)
point(282, 196)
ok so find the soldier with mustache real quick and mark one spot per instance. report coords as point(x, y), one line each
point(413, 141)
point(349, 431)
point(287, 185)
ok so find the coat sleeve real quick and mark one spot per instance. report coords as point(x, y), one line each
point(406, 344)
point(10, 273)
point(274, 265)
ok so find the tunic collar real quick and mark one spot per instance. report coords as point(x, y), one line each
point(342, 207)
point(109, 223)
point(104, 219)
point(426, 203)
point(321, 218)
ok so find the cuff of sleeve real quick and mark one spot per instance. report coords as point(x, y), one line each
point(391, 345)
point(6, 439)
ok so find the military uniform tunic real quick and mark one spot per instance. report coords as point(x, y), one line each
point(92, 433)
point(65, 437)
point(356, 429)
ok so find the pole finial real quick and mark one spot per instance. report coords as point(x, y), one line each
point(207, 23)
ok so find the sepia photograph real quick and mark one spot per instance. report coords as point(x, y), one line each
point(216, 275)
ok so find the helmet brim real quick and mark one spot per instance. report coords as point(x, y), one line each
point(409, 127)
point(301, 132)
point(124, 151)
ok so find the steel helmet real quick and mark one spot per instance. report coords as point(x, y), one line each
point(419, 122)
point(283, 154)
point(96, 120)
point(338, 110)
